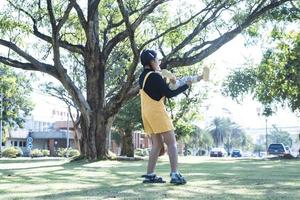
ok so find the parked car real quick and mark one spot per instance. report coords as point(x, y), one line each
point(218, 152)
point(236, 153)
point(277, 149)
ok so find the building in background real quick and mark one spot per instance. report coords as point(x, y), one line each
point(45, 128)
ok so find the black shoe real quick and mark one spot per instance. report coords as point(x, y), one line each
point(152, 179)
point(178, 180)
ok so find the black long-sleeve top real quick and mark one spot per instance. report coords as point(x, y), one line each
point(157, 88)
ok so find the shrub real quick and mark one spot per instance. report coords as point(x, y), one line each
point(11, 152)
point(36, 153)
point(45, 152)
point(72, 153)
point(61, 152)
point(20, 152)
point(67, 152)
point(141, 152)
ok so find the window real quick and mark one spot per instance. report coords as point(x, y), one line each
point(15, 143)
point(22, 143)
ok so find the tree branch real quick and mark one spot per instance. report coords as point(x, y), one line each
point(22, 53)
point(51, 14)
point(81, 17)
point(41, 67)
point(122, 93)
point(124, 34)
point(66, 15)
point(49, 69)
point(71, 47)
point(176, 27)
point(114, 106)
point(111, 25)
point(59, 93)
point(197, 30)
point(134, 90)
point(131, 38)
point(220, 41)
point(36, 32)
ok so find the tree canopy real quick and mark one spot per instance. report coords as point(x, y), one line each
point(280, 136)
point(15, 92)
point(276, 79)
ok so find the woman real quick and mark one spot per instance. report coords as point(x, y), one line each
point(156, 120)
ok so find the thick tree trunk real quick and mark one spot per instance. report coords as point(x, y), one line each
point(127, 148)
point(93, 140)
point(94, 122)
point(76, 139)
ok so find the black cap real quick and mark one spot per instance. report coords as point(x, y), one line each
point(146, 56)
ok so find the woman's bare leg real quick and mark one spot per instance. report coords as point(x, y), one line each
point(170, 140)
point(157, 144)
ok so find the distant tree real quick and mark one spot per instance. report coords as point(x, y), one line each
point(278, 136)
point(236, 137)
point(15, 90)
point(127, 121)
point(228, 134)
point(205, 139)
point(247, 143)
point(219, 128)
point(259, 148)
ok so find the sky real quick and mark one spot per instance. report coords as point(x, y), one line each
point(231, 55)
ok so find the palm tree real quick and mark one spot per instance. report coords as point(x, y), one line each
point(218, 130)
point(226, 132)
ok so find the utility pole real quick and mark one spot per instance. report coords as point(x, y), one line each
point(68, 128)
point(1, 110)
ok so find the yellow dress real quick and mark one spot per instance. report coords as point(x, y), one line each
point(154, 115)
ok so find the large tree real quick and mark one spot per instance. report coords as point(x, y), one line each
point(15, 89)
point(106, 38)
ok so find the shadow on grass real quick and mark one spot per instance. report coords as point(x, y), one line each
point(210, 179)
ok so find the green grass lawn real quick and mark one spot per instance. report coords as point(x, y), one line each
point(51, 178)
